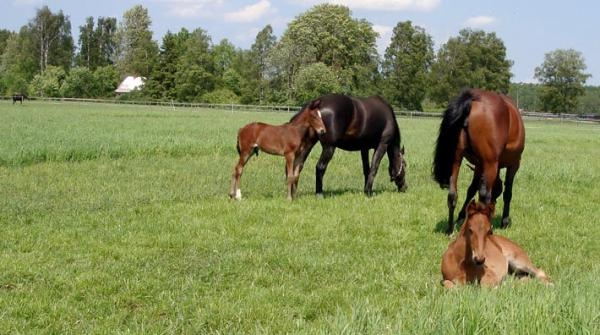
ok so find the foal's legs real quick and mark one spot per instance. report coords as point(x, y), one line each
point(326, 155)
point(291, 175)
point(234, 190)
point(377, 155)
point(511, 171)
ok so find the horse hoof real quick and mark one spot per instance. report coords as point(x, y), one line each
point(319, 195)
point(505, 223)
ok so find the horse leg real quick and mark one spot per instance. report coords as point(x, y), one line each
point(490, 172)
point(326, 155)
point(234, 190)
point(366, 167)
point(291, 176)
point(470, 194)
point(377, 156)
point(511, 171)
point(453, 193)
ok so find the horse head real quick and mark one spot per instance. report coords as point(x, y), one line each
point(315, 118)
point(397, 171)
point(476, 230)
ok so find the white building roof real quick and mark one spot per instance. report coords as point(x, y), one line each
point(129, 84)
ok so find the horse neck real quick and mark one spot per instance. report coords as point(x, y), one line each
point(301, 123)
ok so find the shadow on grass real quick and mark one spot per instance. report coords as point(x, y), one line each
point(440, 226)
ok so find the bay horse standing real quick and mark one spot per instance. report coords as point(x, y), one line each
point(361, 124)
point(288, 140)
point(485, 128)
point(479, 256)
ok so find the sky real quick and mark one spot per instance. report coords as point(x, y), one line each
point(529, 28)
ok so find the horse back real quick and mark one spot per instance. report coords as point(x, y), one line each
point(357, 123)
point(495, 129)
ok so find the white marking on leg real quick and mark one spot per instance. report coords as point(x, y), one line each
point(238, 194)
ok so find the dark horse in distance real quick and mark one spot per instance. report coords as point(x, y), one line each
point(18, 97)
point(360, 124)
point(485, 128)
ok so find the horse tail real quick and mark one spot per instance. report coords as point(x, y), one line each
point(452, 124)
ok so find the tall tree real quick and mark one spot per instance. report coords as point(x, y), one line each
point(51, 37)
point(161, 84)
point(195, 68)
point(562, 77)
point(138, 53)
point(328, 34)
point(97, 43)
point(472, 59)
point(406, 65)
point(18, 64)
point(260, 74)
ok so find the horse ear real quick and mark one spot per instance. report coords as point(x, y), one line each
point(315, 104)
point(490, 210)
point(472, 208)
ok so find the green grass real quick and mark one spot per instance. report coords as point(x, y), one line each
point(116, 219)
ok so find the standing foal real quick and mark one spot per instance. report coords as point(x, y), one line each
point(289, 140)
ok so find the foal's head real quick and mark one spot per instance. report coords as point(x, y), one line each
point(311, 116)
point(477, 228)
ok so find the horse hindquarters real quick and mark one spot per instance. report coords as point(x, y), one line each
point(519, 262)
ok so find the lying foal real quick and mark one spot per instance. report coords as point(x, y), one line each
point(287, 140)
point(478, 256)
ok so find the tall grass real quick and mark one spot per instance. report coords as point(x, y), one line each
point(116, 220)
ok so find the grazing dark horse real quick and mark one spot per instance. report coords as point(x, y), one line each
point(355, 124)
point(18, 97)
point(487, 129)
point(289, 140)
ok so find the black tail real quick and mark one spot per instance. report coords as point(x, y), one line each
point(452, 124)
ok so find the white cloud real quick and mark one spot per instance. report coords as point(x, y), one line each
point(385, 5)
point(480, 21)
point(249, 13)
point(191, 8)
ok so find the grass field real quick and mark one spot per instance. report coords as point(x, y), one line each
point(115, 219)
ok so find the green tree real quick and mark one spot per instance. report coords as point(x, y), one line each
point(105, 81)
point(51, 39)
point(194, 75)
point(313, 81)
point(17, 64)
point(472, 59)
point(97, 43)
point(4, 36)
point(562, 77)
point(137, 53)
point(406, 66)
point(79, 83)
point(328, 34)
point(261, 72)
point(48, 84)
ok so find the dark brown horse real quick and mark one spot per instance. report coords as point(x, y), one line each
point(487, 129)
point(361, 124)
point(18, 97)
point(289, 140)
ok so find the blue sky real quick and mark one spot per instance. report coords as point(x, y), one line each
point(529, 29)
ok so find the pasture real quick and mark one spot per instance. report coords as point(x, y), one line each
point(116, 219)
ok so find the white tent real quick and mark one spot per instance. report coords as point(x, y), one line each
point(129, 84)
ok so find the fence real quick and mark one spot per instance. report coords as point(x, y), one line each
point(292, 109)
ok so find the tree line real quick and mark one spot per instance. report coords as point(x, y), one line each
point(322, 50)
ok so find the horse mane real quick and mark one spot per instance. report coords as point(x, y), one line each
point(453, 122)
